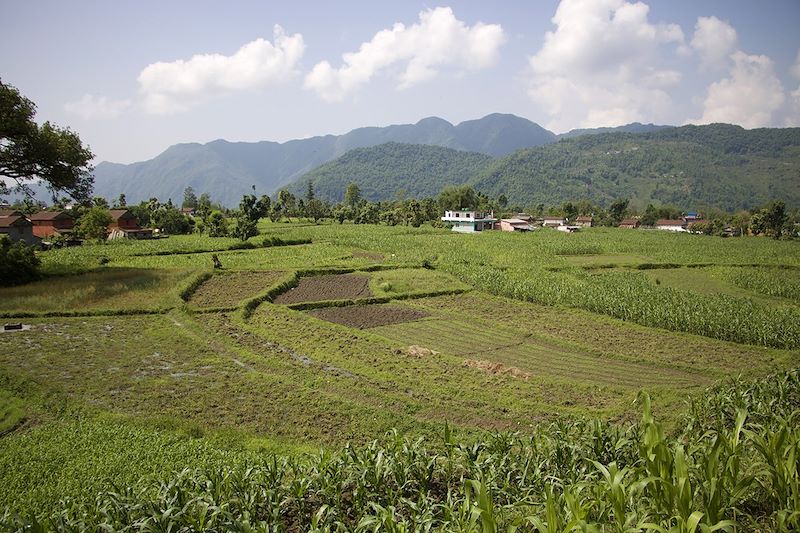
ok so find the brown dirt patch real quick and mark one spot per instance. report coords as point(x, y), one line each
point(375, 256)
point(327, 287)
point(368, 316)
point(497, 368)
point(420, 351)
point(228, 290)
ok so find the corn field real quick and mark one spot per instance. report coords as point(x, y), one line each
point(734, 466)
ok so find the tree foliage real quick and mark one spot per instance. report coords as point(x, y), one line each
point(94, 223)
point(18, 262)
point(47, 152)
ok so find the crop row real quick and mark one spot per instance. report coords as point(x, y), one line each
point(734, 467)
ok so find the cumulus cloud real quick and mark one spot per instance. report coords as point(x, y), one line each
point(603, 65)
point(439, 39)
point(714, 41)
point(173, 87)
point(748, 96)
point(794, 70)
point(92, 107)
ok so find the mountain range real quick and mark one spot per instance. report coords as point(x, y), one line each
point(226, 170)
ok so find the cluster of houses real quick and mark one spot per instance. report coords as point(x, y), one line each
point(683, 224)
point(45, 226)
point(471, 221)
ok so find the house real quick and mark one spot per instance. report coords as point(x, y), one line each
point(671, 225)
point(49, 223)
point(125, 225)
point(584, 222)
point(469, 221)
point(629, 223)
point(17, 227)
point(553, 222)
point(568, 229)
point(188, 211)
point(514, 224)
point(524, 216)
point(691, 216)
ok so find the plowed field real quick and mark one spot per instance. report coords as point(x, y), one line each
point(369, 316)
point(327, 287)
point(227, 290)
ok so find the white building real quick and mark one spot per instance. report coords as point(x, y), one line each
point(469, 221)
point(553, 222)
point(671, 225)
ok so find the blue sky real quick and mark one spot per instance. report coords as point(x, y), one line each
point(134, 78)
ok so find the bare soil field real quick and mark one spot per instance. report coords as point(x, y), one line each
point(228, 290)
point(363, 254)
point(368, 316)
point(327, 287)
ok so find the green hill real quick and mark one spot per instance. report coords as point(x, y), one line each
point(718, 165)
point(383, 171)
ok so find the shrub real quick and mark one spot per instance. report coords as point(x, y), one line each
point(18, 262)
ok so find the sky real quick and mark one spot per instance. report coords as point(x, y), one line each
point(133, 78)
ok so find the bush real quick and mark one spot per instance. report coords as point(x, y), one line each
point(18, 262)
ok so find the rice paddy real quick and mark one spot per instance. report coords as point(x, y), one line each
point(464, 334)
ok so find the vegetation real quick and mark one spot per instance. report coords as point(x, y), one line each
point(18, 262)
point(719, 166)
point(49, 153)
point(385, 171)
point(733, 466)
point(188, 397)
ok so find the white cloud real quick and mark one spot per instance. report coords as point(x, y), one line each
point(714, 41)
point(437, 40)
point(97, 107)
point(795, 68)
point(748, 96)
point(602, 65)
point(176, 86)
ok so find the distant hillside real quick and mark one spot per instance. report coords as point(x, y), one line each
point(718, 165)
point(634, 127)
point(227, 170)
point(384, 170)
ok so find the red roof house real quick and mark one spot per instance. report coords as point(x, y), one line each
point(47, 223)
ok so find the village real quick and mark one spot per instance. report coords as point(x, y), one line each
point(472, 221)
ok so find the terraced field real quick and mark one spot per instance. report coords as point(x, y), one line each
point(228, 289)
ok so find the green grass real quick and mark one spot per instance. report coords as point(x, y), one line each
point(113, 398)
point(105, 289)
point(405, 281)
point(229, 289)
point(12, 412)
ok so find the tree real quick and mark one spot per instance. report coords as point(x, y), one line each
point(618, 209)
point(315, 210)
point(454, 197)
point(189, 198)
point(309, 192)
point(774, 217)
point(286, 203)
point(18, 262)
point(352, 195)
point(216, 225)
point(204, 206)
point(650, 216)
point(94, 223)
point(47, 152)
point(170, 220)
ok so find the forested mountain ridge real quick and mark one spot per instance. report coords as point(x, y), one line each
point(226, 170)
point(393, 169)
point(717, 165)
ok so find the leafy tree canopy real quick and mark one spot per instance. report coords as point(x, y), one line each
point(29, 152)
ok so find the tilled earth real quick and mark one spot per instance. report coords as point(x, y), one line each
point(327, 287)
point(227, 290)
point(368, 316)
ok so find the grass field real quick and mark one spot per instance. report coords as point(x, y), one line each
point(507, 332)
